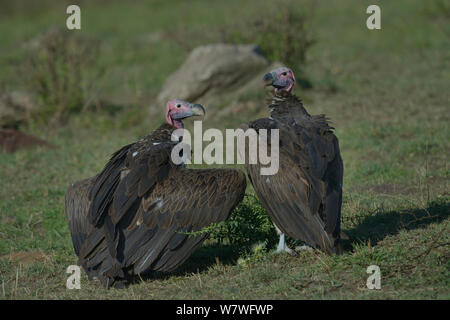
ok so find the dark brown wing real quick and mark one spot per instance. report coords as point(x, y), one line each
point(304, 197)
point(77, 206)
point(186, 201)
point(151, 208)
point(101, 192)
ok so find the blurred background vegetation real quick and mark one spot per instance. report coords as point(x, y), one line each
point(122, 58)
point(386, 92)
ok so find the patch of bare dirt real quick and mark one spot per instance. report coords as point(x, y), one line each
point(12, 140)
point(25, 257)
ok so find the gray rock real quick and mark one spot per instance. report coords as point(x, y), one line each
point(217, 75)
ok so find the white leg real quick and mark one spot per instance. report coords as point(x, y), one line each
point(282, 246)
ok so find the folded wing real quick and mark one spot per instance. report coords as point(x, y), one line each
point(304, 197)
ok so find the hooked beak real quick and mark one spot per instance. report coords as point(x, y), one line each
point(194, 110)
point(268, 79)
point(271, 79)
point(198, 110)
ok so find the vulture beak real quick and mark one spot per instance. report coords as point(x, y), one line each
point(268, 79)
point(198, 110)
point(272, 79)
point(191, 111)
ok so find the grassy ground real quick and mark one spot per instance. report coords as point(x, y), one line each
point(386, 92)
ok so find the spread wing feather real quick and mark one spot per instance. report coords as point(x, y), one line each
point(142, 219)
point(100, 194)
point(77, 204)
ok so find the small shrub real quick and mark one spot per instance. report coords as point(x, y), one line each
point(247, 225)
point(437, 9)
point(282, 35)
point(256, 254)
point(57, 68)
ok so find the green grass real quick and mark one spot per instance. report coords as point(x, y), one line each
point(386, 92)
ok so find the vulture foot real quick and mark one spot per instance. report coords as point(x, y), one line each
point(287, 250)
point(304, 248)
point(282, 246)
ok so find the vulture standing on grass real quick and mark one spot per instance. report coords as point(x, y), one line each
point(132, 218)
point(304, 197)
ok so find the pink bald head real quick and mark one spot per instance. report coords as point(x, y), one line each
point(177, 110)
point(282, 79)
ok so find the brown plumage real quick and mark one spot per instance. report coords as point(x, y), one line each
point(77, 205)
point(133, 217)
point(304, 197)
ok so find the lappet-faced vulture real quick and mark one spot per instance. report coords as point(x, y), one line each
point(132, 218)
point(304, 197)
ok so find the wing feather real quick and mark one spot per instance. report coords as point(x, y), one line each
point(142, 219)
point(76, 206)
point(304, 197)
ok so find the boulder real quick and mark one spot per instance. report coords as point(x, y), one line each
point(217, 74)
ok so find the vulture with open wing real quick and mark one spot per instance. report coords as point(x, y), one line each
point(134, 216)
point(304, 197)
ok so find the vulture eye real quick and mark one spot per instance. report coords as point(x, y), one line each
point(178, 105)
point(284, 73)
